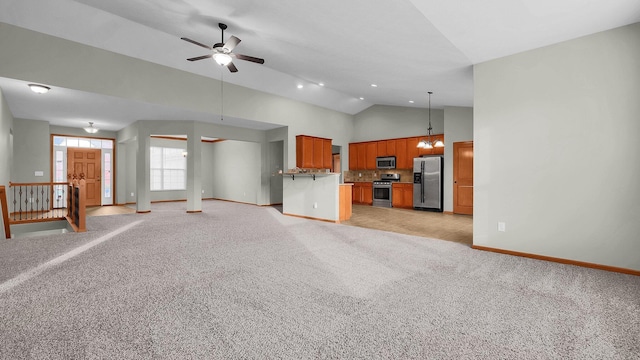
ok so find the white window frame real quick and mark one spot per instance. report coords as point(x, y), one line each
point(163, 175)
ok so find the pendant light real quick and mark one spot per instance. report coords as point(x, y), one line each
point(428, 144)
point(90, 129)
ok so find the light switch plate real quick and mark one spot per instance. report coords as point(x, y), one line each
point(39, 173)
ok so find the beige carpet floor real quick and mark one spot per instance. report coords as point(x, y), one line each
point(451, 227)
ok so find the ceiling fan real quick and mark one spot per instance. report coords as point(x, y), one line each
point(222, 53)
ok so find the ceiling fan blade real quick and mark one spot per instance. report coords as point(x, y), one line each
point(197, 43)
point(249, 58)
point(232, 43)
point(200, 57)
point(232, 67)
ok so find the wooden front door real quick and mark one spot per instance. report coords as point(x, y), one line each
point(85, 164)
point(463, 177)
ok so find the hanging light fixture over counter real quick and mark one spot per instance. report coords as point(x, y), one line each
point(428, 144)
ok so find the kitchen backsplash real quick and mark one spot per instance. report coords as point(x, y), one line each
point(371, 175)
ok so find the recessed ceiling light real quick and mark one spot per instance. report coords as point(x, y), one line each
point(300, 86)
point(321, 84)
point(361, 98)
point(39, 89)
point(411, 101)
point(374, 85)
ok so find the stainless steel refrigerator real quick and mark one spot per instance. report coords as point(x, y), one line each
point(427, 183)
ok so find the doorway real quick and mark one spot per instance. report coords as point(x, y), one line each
point(463, 177)
point(85, 155)
point(85, 164)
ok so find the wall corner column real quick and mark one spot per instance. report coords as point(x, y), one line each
point(194, 170)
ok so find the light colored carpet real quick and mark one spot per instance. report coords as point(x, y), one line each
point(245, 282)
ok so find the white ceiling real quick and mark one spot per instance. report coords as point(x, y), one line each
point(406, 47)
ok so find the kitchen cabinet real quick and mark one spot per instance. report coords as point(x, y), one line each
point(362, 155)
point(402, 195)
point(386, 147)
point(313, 152)
point(304, 151)
point(401, 154)
point(345, 202)
point(327, 155)
point(412, 149)
point(353, 156)
point(362, 193)
point(371, 149)
point(391, 148)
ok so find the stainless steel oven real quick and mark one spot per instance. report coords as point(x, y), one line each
point(382, 189)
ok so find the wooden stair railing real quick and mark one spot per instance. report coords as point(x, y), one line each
point(5, 212)
point(77, 216)
point(52, 201)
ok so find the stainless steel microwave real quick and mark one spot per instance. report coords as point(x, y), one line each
point(386, 162)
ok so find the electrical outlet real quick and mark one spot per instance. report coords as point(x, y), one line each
point(315, 205)
point(359, 174)
point(502, 227)
point(203, 191)
point(131, 194)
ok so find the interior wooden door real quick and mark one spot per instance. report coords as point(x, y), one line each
point(463, 177)
point(85, 163)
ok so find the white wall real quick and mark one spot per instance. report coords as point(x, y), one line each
point(458, 126)
point(556, 150)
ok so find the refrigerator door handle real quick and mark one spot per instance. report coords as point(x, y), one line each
point(422, 181)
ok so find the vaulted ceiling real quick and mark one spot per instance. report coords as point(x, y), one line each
point(335, 50)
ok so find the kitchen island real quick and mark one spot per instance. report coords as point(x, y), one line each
point(316, 196)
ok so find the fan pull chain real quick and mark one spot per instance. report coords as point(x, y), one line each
point(222, 94)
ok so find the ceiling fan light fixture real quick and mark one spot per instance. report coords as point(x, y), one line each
point(222, 59)
point(90, 129)
point(39, 89)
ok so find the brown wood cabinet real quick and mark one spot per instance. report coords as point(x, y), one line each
point(401, 154)
point(362, 193)
point(313, 152)
point(346, 193)
point(362, 155)
point(371, 154)
point(402, 195)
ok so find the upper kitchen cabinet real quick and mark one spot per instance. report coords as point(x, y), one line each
point(362, 155)
point(371, 154)
point(313, 152)
point(401, 154)
point(386, 147)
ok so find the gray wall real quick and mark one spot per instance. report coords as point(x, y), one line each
point(237, 171)
point(31, 151)
point(556, 150)
point(6, 148)
point(147, 82)
point(458, 126)
point(388, 122)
